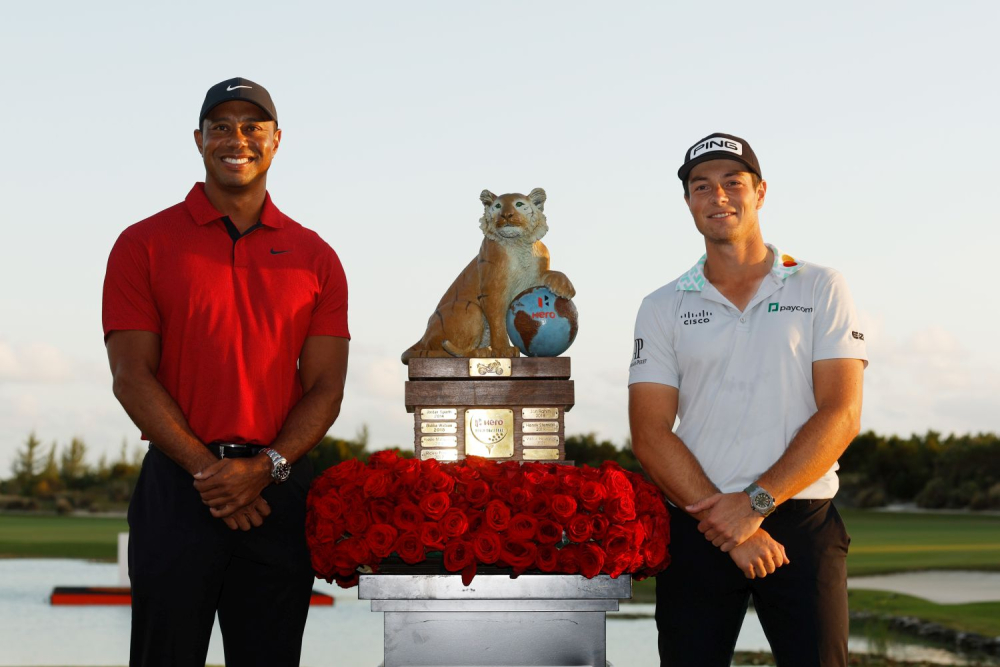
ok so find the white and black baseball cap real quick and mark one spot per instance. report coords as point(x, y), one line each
point(719, 146)
point(238, 89)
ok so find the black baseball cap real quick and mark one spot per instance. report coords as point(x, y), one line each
point(238, 89)
point(719, 146)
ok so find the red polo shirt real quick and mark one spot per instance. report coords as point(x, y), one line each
point(232, 316)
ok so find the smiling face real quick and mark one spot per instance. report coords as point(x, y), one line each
point(724, 201)
point(237, 142)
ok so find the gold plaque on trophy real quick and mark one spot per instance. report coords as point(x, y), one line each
point(540, 427)
point(541, 455)
point(439, 454)
point(487, 368)
point(439, 441)
point(540, 440)
point(443, 427)
point(439, 413)
point(489, 433)
point(539, 413)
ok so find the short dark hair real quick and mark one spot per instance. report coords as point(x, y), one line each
point(754, 179)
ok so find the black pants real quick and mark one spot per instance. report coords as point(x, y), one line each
point(702, 597)
point(185, 565)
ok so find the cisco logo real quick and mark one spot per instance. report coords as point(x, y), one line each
point(702, 317)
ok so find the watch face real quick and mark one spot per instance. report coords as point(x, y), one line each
point(762, 501)
point(282, 471)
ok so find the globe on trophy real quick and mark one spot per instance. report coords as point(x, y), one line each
point(541, 323)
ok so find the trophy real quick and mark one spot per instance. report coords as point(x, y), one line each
point(470, 391)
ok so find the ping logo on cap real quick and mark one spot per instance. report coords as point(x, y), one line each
point(716, 144)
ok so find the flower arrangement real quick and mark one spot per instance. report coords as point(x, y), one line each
point(553, 518)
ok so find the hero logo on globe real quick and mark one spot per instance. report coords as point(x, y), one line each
point(717, 144)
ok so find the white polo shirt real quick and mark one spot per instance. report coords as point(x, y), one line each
point(745, 378)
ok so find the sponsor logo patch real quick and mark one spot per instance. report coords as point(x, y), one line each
point(701, 317)
point(778, 308)
point(858, 335)
point(637, 359)
point(717, 144)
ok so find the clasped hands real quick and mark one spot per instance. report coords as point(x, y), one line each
point(231, 488)
point(729, 523)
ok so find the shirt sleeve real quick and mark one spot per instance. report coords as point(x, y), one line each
point(128, 302)
point(330, 314)
point(653, 356)
point(837, 333)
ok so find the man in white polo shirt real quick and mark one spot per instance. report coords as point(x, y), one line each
point(759, 358)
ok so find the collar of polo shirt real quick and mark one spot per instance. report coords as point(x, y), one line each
point(694, 280)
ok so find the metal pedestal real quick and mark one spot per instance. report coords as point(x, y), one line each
point(496, 621)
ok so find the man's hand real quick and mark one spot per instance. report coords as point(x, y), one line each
point(759, 556)
point(251, 516)
point(728, 520)
point(229, 485)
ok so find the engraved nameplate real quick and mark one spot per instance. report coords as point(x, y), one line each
point(439, 454)
point(540, 440)
point(438, 441)
point(539, 413)
point(541, 454)
point(438, 413)
point(489, 433)
point(444, 427)
point(539, 427)
point(489, 368)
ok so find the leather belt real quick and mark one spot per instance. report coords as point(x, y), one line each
point(230, 450)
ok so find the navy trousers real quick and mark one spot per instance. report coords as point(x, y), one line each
point(186, 565)
point(702, 597)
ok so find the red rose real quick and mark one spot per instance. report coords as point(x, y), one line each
point(518, 555)
point(347, 582)
point(486, 545)
point(409, 548)
point(477, 493)
point(592, 494)
point(431, 536)
point(563, 507)
point(475, 518)
point(600, 524)
point(330, 507)
point(435, 505)
point(614, 479)
point(497, 515)
point(569, 561)
point(345, 470)
point(617, 541)
point(463, 474)
point(547, 558)
point(522, 527)
point(591, 560)
point(458, 554)
point(357, 549)
point(407, 517)
point(380, 538)
point(520, 496)
point(357, 522)
point(454, 523)
point(579, 528)
point(384, 459)
point(570, 479)
point(377, 484)
point(620, 509)
point(655, 553)
point(381, 511)
point(548, 532)
point(539, 505)
point(440, 480)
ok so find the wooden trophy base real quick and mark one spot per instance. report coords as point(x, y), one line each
point(503, 409)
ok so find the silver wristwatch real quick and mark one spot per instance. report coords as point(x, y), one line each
point(280, 469)
point(761, 501)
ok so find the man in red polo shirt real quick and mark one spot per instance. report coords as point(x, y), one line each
point(226, 328)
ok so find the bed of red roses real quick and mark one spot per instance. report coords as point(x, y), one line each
point(552, 518)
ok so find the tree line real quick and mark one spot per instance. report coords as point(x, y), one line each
point(957, 471)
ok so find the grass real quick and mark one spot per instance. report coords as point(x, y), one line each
point(92, 538)
point(980, 617)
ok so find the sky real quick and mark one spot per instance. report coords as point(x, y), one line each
point(874, 122)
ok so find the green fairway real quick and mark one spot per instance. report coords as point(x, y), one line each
point(60, 537)
point(884, 542)
point(980, 617)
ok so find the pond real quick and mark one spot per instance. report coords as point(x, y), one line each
point(33, 632)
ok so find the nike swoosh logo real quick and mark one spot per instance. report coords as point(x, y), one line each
point(278, 252)
point(232, 88)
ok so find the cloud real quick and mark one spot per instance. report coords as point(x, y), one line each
point(34, 362)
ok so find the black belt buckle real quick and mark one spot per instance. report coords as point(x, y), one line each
point(231, 450)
